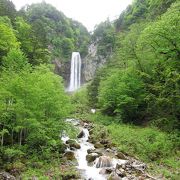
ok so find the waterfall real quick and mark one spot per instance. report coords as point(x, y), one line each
point(75, 76)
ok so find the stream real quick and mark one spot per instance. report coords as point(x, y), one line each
point(105, 165)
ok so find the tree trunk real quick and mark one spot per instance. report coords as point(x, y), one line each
point(2, 140)
point(12, 137)
point(20, 137)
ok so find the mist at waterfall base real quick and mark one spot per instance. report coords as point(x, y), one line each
point(75, 74)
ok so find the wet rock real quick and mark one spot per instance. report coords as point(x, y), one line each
point(120, 172)
point(90, 151)
point(70, 141)
point(104, 141)
point(114, 176)
point(63, 148)
point(98, 151)
point(90, 131)
point(73, 144)
point(120, 155)
point(69, 176)
point(104, 171)
point(86, 125)
point(104, 161)
point(98, 145)
point(91, 157)
point(81, 134)
point(69, 155)
point(6, 176)
point(72, 148)
point(92, 140)
point(109, 150)
point(140, 167)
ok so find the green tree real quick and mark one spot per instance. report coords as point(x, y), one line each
point(122, 94)
point(8, 40)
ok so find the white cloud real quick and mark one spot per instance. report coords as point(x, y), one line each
point(88, 12)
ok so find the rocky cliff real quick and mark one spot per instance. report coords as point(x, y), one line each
point(91, 63)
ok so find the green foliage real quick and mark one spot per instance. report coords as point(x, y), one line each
point(122, 94)
point(142, 10)
point(15, 60)
point(80, 102)
point(32, 99)
point(140, 82)
point(8, 40)
point(67, 47)
point(158, 149)
point(53, 30)
point(7, 8)
point(103, 35)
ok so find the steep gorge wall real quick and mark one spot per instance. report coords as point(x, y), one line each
point(91, 63)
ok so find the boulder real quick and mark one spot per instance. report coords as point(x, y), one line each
point(98, 151)
point(114, 176)
point(81, 134)
point(69, 155)
point(70, 141)
point(98, 145)
point(120, 172)
point(104, 141)
point(86, 125)
point(104, 161)
point(120, 155)
point(90, 131)
point(90, 151)
point(73, 144)
point(104, 171)
point(91, 157)
point(5, 175)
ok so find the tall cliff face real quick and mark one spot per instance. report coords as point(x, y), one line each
point(63, 69)
point(91, 63)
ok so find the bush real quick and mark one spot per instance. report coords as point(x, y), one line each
point(122, 94)
point(147, 143)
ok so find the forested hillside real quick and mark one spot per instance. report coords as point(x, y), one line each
point(33, 103)
point(140, 82)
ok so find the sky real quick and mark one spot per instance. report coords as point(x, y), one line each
point(88, 12)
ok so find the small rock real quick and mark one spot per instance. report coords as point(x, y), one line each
point(98, 145)
point(69, 155)
point(70, 141)
point(104, 171)
point(91, 157)
point(91, 132)
point(73, 144)
point(104, 141)
point(86, 125)
point(81, 134)
point(98, 151)
point(120, 173)
point(120, 155)
point(114, 176)
point(5, 175)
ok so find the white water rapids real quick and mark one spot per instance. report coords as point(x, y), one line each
point(88, 171)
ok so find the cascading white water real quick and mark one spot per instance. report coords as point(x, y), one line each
point(88, 171)
point(75, 76)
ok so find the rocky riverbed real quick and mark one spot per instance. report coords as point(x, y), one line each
point(97, 157)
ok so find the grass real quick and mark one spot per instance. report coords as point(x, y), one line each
point(158, 149)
